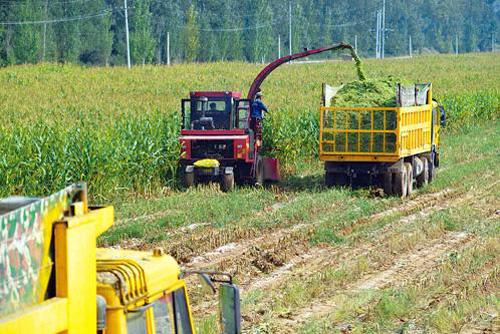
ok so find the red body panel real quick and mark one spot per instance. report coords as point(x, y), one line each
point(213, 132)
point(235, 95)
point(239, 139)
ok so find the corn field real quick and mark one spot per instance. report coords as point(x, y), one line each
point(117, 129)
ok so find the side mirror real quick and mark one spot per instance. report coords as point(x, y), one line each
point(229, 308)
point(206, 282)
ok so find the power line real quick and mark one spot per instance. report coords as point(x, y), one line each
point(17, 4)
point(66, 19)
point(241, 29)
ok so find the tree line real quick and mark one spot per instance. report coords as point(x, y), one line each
point(93, 31)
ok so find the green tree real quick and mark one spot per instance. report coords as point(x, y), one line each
point(142, 43)
point(190, 35)
point(96, 36)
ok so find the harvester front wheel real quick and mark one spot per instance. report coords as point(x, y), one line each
point(227, 183)
point(423, 178)
point(400, 186)
point(189, 180)
point(409, 174)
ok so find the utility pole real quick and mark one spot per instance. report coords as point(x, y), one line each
point(45, 30)
point(356, 43)
point(127, 33)
point(456, 45)
point(290, 26)
point(383, 31)
point(410, 45)
point(377, 43)
point(279, 46)
point(168, 48)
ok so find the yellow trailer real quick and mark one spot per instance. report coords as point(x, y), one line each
point(53, 279)
point(393, 147)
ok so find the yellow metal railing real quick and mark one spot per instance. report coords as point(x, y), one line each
point(377, 133)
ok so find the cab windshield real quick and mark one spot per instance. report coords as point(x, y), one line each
point(171, 316)
point(213, 114)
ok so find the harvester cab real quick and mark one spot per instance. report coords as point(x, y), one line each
point(218, 141)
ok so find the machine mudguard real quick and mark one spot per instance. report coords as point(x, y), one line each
point(271, 169)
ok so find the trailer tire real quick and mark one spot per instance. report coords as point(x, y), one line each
point(423, 178)
point(409, 174)
point(329, 179)
point(189, 180)
point(227, 182)
point(388, 184)
point(400, 185)
point(336, 179)
point(432, 171)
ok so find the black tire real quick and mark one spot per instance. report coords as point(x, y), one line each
point(329, 180)
point(189, 180)
point(259, 172)
point(336, 179)
point(400, 183)
point(227, 182)
point(409, 175)
point(423, 178)
point(432, 171)
point(388, 184)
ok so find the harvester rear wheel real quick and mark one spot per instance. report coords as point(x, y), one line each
point(227, 183)
point(423, 178)
point(189, 180)
point(388, 183)
point(259, 171)
point(400, 186)
point(409, 174)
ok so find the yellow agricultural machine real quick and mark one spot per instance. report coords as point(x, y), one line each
point(53, 279)
point(393, 147)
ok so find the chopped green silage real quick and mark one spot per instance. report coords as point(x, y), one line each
point(367, 93)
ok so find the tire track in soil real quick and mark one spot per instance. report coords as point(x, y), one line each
point(427, 204)
point(311, 258)
point(274, 256)
point(269, 239)
point(405, 269)
point(491, 325)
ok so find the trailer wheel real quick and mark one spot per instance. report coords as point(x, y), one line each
point(189, 180)
point(227, 183)
point(400, 186)
point(409, 174)
point(336, 179)
point(259, 172)
point(432, 171)
point(388, 183)
point(423, 178)
point(329, 180)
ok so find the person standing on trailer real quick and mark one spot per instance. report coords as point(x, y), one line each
point(257, 115)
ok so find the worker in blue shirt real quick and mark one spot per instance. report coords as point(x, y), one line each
point(257, 115)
